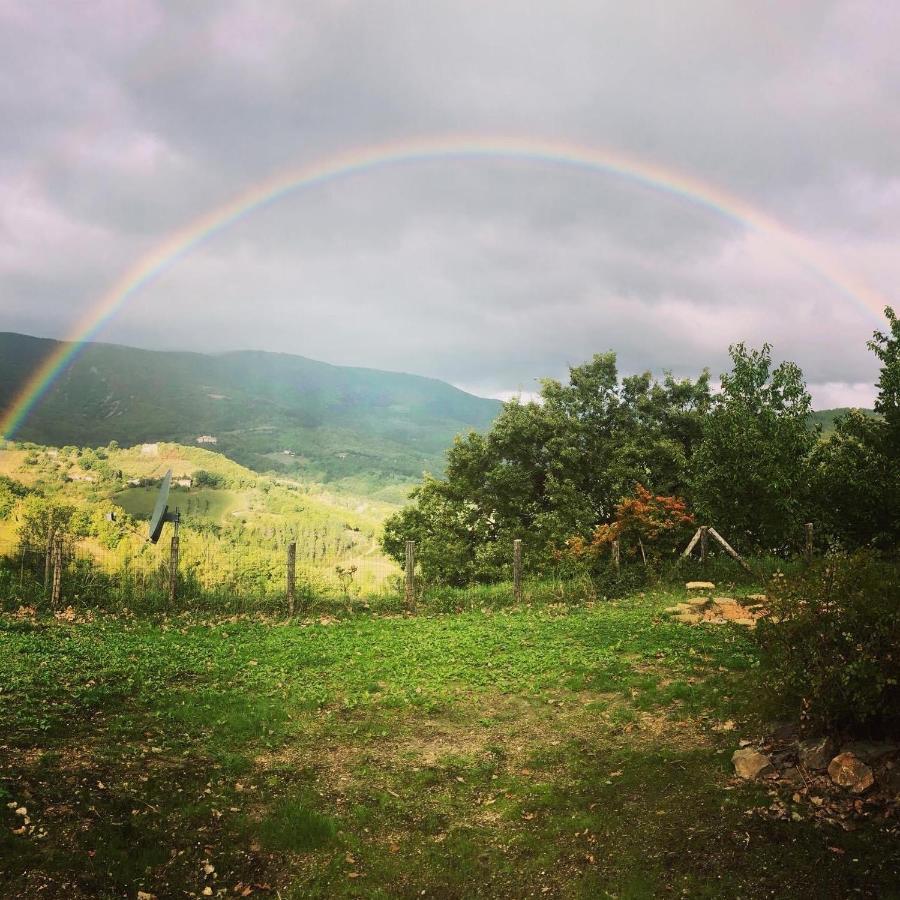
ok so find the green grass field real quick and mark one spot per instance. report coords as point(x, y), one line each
point(531, 752)
point(197, 503)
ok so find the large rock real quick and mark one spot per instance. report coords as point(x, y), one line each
point(851, 772)
point(698, 602)
point(748, 763)
point(700, 586)
point(688, 618)
point(816, 753)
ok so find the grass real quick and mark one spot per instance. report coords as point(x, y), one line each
point(543, 751)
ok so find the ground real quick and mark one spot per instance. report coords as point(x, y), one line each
point(579, 751)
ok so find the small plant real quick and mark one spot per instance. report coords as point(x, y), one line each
point(345, 578)
point(832, 643)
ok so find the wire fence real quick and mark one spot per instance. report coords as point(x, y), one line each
point(212, 577)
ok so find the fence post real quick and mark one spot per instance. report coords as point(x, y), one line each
point(517, 570)
point(173, 569)
point(291, 575)
point(411, 575)
point(57, 571)
point(615, 555)
point(704, 542)
point(808, 549)
point(48, 561)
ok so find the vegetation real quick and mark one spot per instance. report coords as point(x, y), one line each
point(745, 460)
point(541, 751)
point(833, 646)
point(359, 429)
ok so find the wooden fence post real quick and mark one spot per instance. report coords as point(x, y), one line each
point(48, 561)
point(411, 575)
point(704, 543)
point(291, 576)
point(173, 569)
point(615, 555)
point(56, 592)
point(517, 570)
point(808, 549)
point(731, 551)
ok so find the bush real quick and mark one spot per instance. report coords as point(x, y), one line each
point(832, 644)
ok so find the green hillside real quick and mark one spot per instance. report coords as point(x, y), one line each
point(364, 428)
point(826, 417)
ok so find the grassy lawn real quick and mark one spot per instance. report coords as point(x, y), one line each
point(536, 752)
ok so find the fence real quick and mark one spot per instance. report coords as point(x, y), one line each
point(208, 576)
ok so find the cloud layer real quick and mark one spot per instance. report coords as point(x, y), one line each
point(128, 119)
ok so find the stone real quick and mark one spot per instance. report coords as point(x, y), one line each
point(724, 601)
point(698, 602)
point(746, 623)
point(756, 598)
point(748, 763)
point(688, 618)
point(783, 732)
point(816, 753)
point(672, 610)
point(700, 586)
point(851, 772)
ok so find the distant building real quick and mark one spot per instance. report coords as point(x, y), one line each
point(207, 439)
point(183, 482)
point(150, 449)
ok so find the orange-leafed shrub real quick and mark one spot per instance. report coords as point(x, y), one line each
point(643, 520)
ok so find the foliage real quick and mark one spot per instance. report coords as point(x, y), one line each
point(750, 475)
point(40, 518)
point(856, 470)
point(650, 521)
point(549, 470)
point(833, 645)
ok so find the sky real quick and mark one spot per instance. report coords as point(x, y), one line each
point(127, 120)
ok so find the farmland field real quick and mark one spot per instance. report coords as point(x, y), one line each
point(535, 752)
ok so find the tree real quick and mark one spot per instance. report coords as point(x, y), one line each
point(858, 469)
point(548, 470)
point(750, 475)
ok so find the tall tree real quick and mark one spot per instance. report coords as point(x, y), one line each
point(750, 474)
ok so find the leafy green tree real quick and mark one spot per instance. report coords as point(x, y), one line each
point(551, 469)
point(858, 468)
point(40, 517)
point(750, 473)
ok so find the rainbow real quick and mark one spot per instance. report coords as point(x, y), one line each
point(369, 159)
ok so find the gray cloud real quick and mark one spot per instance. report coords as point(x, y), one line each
point(128, 119)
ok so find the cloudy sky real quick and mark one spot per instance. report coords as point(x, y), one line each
point(124, 121)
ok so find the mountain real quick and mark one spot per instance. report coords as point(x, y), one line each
point(269, 411)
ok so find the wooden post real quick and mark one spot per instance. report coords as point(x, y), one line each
point(173, 569)
point(704, 543)
point(517, 570)
point(56, 592)
point(692, 544)
point(48, 561)
point(291, 576)
point(615, 555)
point(730, 550)
point(808, 549)
point(411, 575)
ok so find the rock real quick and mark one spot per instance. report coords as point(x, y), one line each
point(816, 753)
point(673, 610)
point(756, 598)
point(851, 772)
point(724, 601)
point(700, 586)
point(688, 618)
point(747, 623)
point(870, 751)
point(144, 895)
point(698, 602)
point(750, 764)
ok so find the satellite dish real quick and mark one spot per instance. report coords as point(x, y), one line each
point(161, 513)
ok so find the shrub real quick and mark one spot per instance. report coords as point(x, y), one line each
point(832, 643)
